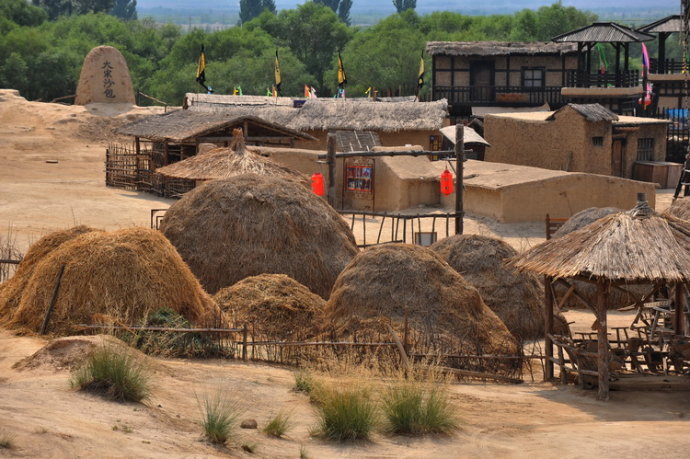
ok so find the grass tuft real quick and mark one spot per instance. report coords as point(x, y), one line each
point(114, 373)
point(304, 382)
point(279, 425)
point(219, 417)
point(346, 414)
point(413, 409)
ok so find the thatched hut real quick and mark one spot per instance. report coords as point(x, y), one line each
point(514, 296)
point(274, 306)
point(227, 230)
point(121, 275)
point(584, 218)
point(394, 283)
point(634, 247)
point(12, 290)
point(224, 163)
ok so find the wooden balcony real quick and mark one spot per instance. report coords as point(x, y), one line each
point(665, 66)
point(620, 79)
point(500, 95)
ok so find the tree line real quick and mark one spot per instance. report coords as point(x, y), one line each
point(42, 49)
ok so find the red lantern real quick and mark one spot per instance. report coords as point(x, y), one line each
point(317, 184)
point(447, 186)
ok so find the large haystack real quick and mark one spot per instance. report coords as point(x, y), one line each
point(584, 218)
point(12, 290)
point(227, 230)
point(125, 275)
point(273, 306)
point(680, 208)
point(517, 298)
point(388, 283)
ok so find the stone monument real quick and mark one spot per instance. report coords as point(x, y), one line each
point(104, 78)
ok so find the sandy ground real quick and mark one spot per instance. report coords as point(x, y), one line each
point(45, 418)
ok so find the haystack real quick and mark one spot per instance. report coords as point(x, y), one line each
point(515, 297)
point(123, 275)
point(273, 306)
point(584, 218)
point(223, 163)
point(387, 284)
point(680, 208)
point(12, 290)
point(227, 230)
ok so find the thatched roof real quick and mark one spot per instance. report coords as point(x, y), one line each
point(603, 32)
point(593, 113)
point(516, 297)
point(361, 114)
point(584, 218)
point(669, 24)
point(356, 140)
point(470, 135)
point(230, 229)
point(186, 125)
point(223, 163)
point(391, 282)
point(198, 99)
point(496, 48)
point(633, 246)
point(680, 208)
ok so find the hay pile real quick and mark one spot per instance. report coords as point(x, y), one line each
point(515, 297)
point(273, 306)
point(227, 230)
point(387, 283)
point(584, 218)
point(679, 209)
point(11, 291)
point(122, 275)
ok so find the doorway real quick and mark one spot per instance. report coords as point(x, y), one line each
point(482, 81)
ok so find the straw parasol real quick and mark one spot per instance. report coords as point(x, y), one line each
point(631, 247)
point(223, 163)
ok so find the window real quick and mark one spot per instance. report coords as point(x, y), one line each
point(645, 149)
point(435, 142)
point(533, 77)
point(598, 141)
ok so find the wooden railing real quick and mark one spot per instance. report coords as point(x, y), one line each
point(497, 95)
point(621, 79)
point(665, 66)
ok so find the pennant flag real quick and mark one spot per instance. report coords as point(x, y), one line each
point(312, 93)
point(276, 72)
point(342, 77)
point(268, 93)
point(420, 77)
point(307, 92)
point(368, 92)
point(235, 92)
point(201, 70)
point(645, 58)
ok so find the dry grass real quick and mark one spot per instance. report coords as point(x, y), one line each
point(119, 276)
point(279, 425)
point(414, 408)
point(8, 251)
point(227, 230)
point(345, 413)
point(219, 416)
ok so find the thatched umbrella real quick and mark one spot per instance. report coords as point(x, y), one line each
point(515, 297)
point(637, 246)
point(223, 163)
point(227, 230)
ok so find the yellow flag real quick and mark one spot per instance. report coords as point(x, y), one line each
point(201, 66)
point(342, 77)
point(420, 78)
point(276, 72)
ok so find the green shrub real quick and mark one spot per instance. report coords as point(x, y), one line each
point(347, 414)
point(279, 425)
point(114, 373)
point(304, 382)
point(219, 417)
point(411, 408)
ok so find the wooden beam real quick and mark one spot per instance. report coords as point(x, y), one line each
point(53, 299)
point(331, 169)
point(459, 166)
point(602, 343)
point(680, 309)
point(548, 328)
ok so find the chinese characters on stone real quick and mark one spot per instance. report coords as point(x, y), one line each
point(108, 83)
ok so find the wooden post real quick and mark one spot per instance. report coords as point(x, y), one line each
point(165, 153)
point(331, 169)
point(680, 309)
point(548, 329)
point(398, 344)
point(602, 343)
point(244, 342)
point(561, 359)
point(53, 298)
point(459, 158)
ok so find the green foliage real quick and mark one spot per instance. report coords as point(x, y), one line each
point(124, 9)
point(411, 408)
point(344, 11)
point(22, 13)
point(56, 8)
point(113, 373)
point(548, 22)
point(249, 9)
point(404, 5)
point(304, 382)
point(279, 425)
point(219, 417)
point(345, 414)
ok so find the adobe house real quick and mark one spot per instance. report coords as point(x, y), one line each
point(582, 138)
point(471, 75)
point(394, 123)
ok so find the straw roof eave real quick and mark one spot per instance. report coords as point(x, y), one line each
point(618, 248)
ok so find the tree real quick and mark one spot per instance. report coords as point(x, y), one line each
point(402, 5)
point(21, 13)
point(14, 73)
point(125, 9)
point(56, 8)
point(344, 11)
point(249, 9)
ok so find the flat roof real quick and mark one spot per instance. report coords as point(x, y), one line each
point(542, 116)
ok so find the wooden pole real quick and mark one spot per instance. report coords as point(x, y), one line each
point(459, 158)
point(244, 342)
point(602, 343)
point(53, 298)
point(398, 344)
point(548, 329)
point(331, 169)
point(680, 309)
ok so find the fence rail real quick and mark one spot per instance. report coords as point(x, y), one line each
point(500, 94)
